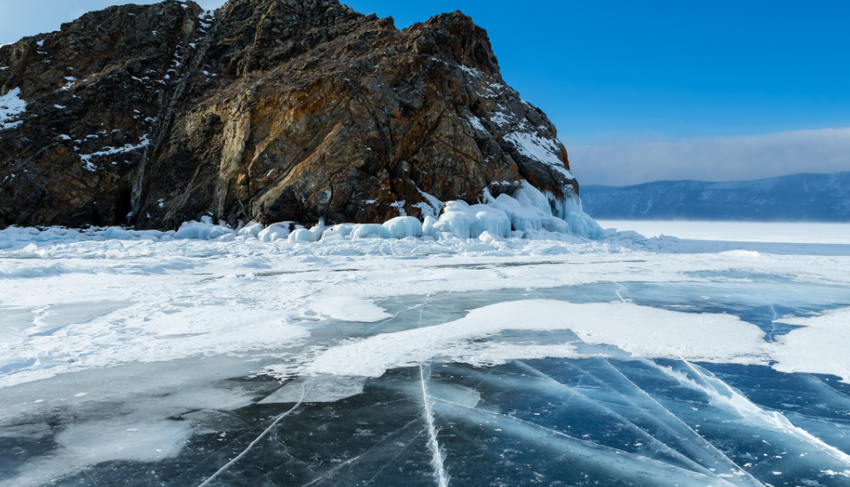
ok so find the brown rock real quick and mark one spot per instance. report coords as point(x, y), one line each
point(271, 110)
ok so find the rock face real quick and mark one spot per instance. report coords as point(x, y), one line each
point(266, 110)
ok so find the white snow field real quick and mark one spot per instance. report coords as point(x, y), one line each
point(446, 352)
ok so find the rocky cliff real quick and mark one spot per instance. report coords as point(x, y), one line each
point(265, 110)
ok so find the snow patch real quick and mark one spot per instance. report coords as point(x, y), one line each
point(349, 308)
point(539, 149)
point(431, 206)
point(640, 331)
point(821, 346)
point(11, 107)
point(109, 151)
point(476, 123)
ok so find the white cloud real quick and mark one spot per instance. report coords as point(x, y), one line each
point(626, 162)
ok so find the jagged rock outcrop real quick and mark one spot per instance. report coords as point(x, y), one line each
point(266, 110)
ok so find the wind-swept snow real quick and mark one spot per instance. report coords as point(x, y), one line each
point(815, 347)
point(637, 330)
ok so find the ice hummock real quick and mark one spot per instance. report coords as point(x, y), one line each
point(470, 221)
point(532, 210)
point(529, 214)
point(404, 226)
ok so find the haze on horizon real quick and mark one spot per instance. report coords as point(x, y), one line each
point(659, 90)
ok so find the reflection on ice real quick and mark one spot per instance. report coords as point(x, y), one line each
point(605, 387)
point(724, 397)
point(545, 421)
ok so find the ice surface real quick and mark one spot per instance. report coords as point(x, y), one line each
point(317, 389)
point(493, 360)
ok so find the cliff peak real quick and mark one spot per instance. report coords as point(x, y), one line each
point(266, 110)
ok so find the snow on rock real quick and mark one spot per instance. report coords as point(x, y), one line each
point(476, 123)
point(109, 151)
point(404, 226)
point(431, 206)
point(540, 149)
point(11, 107)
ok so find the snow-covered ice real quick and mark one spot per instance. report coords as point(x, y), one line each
point(490, 345)
point(798, 232)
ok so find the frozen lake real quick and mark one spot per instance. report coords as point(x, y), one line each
point(715, 355)
point(822, 233)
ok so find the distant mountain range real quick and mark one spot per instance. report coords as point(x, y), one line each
point(798, 197)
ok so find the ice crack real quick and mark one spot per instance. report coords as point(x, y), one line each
point(304, 393)
point(436, 455)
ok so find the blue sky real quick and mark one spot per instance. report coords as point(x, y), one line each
point(675, 89)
